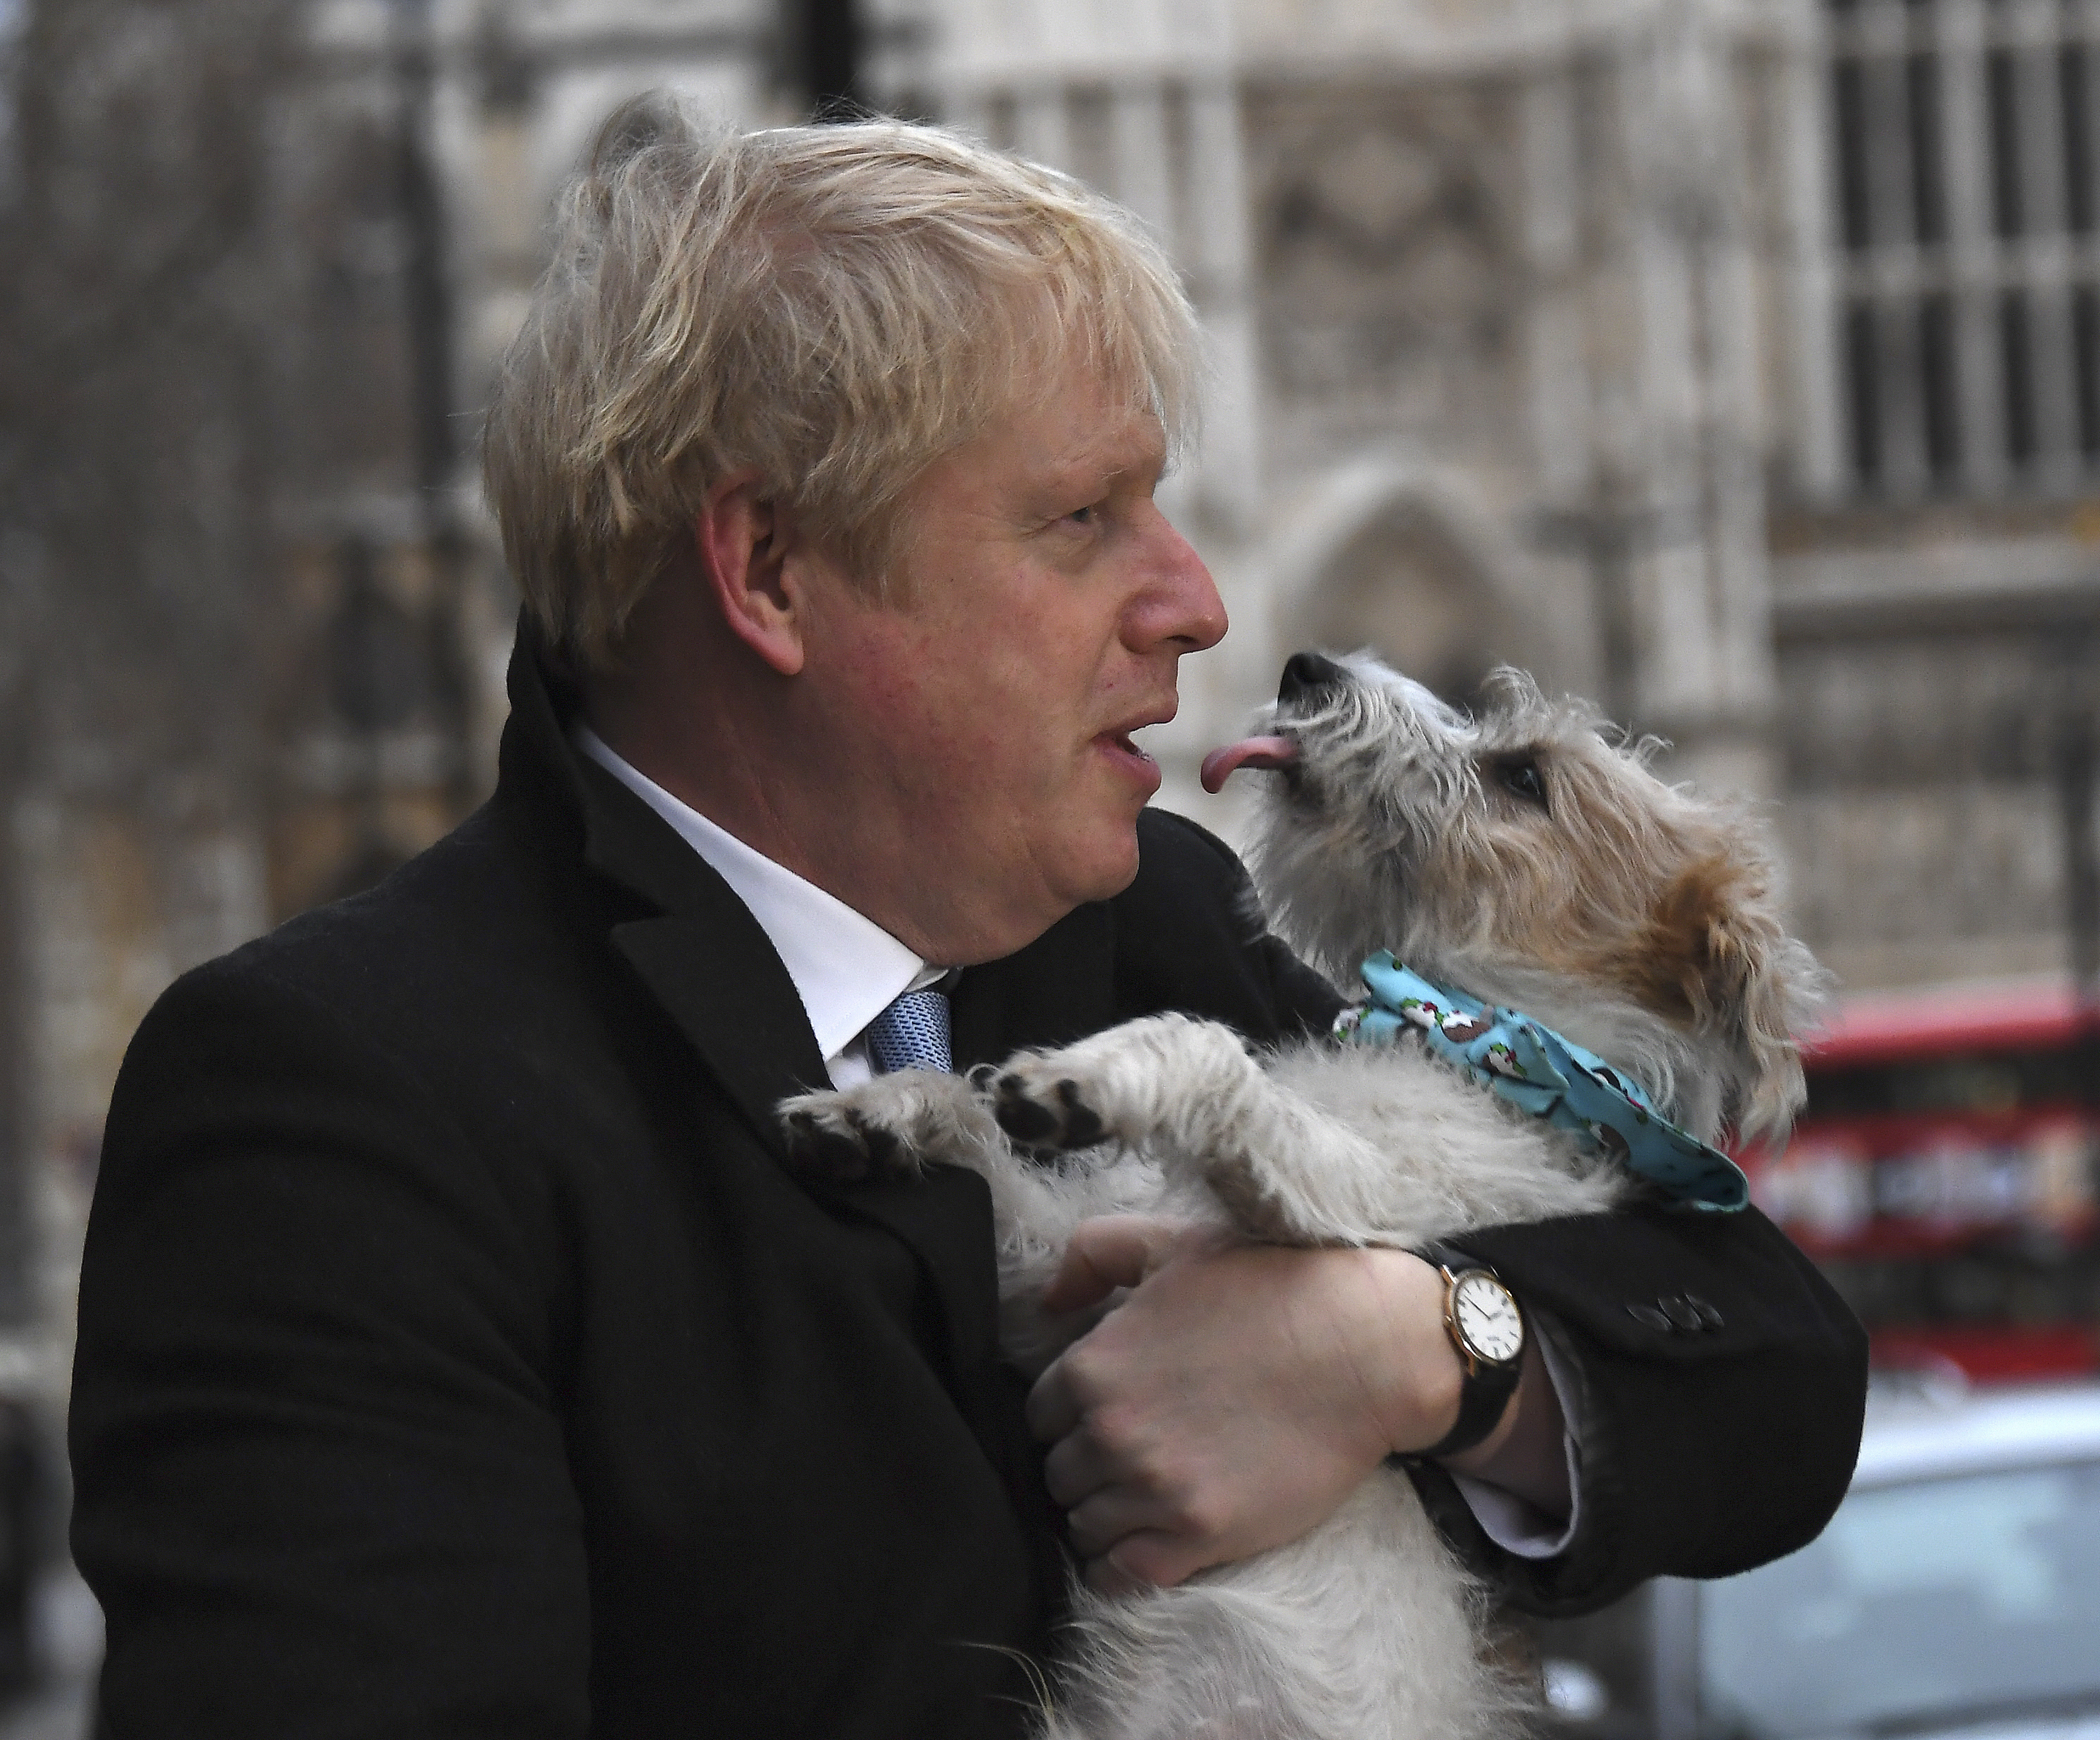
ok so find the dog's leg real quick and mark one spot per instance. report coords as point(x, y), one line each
point(1189, 1094)
point(891, 1126)
point(1320, 1146)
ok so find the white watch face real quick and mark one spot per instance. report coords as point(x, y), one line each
point(1487, 1317)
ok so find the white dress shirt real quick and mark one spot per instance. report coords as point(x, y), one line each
point(1509, 1521)
point(847, 970)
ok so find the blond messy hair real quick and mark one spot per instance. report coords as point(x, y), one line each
point(832, 307)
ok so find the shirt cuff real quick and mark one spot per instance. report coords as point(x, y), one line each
point(1518, 1528)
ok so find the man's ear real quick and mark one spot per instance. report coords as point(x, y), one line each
point(743, 542)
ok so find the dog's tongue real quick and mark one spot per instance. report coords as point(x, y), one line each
point(1273, 753)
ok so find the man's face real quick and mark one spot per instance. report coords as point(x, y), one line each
point(985, 724)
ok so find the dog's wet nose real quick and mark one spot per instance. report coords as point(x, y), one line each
point(1306, 673)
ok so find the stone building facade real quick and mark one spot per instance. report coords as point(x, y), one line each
point(1737, 361)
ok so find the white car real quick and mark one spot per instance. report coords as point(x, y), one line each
point(1957, 1592)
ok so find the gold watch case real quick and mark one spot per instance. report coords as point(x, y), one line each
point(1483, 1318)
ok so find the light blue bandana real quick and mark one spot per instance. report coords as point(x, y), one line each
point(1532, 1067)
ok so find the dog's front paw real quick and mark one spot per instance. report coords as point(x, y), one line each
point(839, 1138)
point(1038, 1103)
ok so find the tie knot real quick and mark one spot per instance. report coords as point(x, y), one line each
point(911, 1034)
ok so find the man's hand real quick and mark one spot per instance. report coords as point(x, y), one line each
point(1238, 1395)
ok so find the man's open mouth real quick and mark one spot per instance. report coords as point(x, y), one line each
point(1271, 754)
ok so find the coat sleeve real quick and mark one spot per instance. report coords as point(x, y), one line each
point(320, 1486)
point(1704, 1451)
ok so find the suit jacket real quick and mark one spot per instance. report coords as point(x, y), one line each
point(457, 1358)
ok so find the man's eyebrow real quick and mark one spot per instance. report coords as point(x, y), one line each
point(1060, 491)
point(1107, 466)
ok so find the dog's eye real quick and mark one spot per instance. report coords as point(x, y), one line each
point(1521, 776)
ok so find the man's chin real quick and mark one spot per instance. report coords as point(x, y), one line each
point(1108, 871)
point(1063, 880)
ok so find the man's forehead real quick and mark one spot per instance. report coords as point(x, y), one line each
point(1074, 435)
point(1087, 430)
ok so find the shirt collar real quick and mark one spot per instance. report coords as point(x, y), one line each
point(846, 968)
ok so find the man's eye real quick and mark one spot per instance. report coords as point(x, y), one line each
point(1083, 516)
point(1521, 776)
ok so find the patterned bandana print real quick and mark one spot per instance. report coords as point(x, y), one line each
point(1533, 1069)
point(911, 1034)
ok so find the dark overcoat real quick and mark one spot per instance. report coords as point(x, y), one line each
point(457, 1358)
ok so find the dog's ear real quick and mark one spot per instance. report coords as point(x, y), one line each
point(1717, 956)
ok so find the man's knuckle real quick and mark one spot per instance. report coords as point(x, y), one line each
point(1175, 1489)
point(1083, 1374)
point(1118, 1429)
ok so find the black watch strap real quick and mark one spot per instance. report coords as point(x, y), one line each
point(1485, 1392)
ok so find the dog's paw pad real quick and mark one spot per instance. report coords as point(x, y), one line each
point(1021, 1117)
point(838, 1144)
point(1083, 1123)
point(1026, 1112)
point(885, 1153)
point(823, 1147)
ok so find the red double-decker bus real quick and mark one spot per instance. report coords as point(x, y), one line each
point(1944, 1175)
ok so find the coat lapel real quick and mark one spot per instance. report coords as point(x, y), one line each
point(706, 961)
point(722, 983)
point(731, 999)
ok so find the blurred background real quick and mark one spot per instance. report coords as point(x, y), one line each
point(1734, 362)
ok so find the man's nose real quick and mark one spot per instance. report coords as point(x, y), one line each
point(1180, 608)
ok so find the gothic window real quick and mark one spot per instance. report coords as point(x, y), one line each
point(1966, 178)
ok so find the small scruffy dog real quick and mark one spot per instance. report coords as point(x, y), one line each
point(1524, 855)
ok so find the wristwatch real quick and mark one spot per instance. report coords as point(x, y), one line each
point(1485, 1324)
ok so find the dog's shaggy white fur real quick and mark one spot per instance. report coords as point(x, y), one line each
point(1523, 855)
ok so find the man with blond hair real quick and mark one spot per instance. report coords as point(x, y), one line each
point(456, 1355)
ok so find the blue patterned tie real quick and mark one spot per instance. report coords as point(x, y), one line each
point(911, 1034)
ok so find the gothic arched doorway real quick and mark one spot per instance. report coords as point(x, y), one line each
point(1399, 560)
